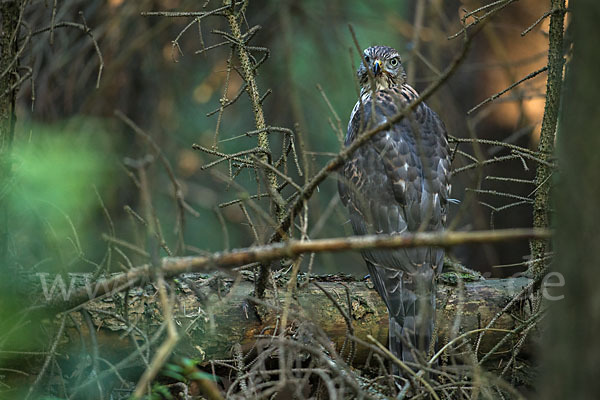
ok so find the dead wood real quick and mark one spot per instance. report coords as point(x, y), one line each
point(214, 313)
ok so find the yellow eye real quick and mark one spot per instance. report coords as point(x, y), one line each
point(394, 62)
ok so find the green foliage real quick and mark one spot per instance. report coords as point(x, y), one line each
point(160, 392)
point(185, 370)
point(53, 196)
point(56, 171)
point(174, 371)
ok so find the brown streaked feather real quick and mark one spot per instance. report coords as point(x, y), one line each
point(398, 182)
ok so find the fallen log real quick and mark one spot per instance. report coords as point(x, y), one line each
point(214, 313)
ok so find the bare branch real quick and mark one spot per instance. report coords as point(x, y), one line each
point(495, 96)
point(172, 266)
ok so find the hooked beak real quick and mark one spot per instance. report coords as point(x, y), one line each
point(376, 67)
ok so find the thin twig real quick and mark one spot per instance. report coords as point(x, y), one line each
point(49, 358)
point(405, 367)
point(85, 29)
point(165, 349)
point(495, 96)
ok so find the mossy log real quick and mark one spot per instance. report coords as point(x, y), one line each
point(215, 313)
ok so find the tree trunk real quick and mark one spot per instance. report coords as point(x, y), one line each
point(9, 63)
point(572, 347)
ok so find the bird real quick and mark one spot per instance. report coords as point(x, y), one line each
point(398, 182)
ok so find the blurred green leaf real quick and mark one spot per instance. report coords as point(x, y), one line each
point(53, 201)
point(202, 375)
point(58, 168)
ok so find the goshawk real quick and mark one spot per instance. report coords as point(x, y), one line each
point(395, 183)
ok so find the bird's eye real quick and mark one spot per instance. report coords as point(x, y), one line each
point(367, 59)
point(394, 62)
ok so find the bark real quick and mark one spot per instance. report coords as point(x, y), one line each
point(226, 316)
point(9, 63)
point(571, 344)
point(543, 175)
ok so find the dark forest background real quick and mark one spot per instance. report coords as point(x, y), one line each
point(70, 144)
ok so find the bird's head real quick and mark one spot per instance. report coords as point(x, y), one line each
point(385, 65)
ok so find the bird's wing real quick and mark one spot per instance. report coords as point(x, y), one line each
point(398, 181)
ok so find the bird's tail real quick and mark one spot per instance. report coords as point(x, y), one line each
point(411, 327)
